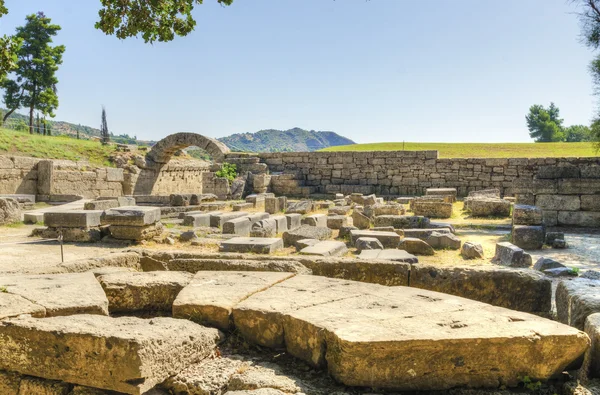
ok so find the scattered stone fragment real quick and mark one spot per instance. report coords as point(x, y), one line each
point(528, 237)
point(591, 363)
point(424, 234)
point(305, 232)
point(188, 236)
point(339, 210)
point(560, 272)
point(33, 218)
point(197, 220)
point(559, 244)
point(337, 221)
point(9, 211)
point(218, 220)
point(319, 220)
point(101, 204)
point(442, 192)
point(489, 207)
point(384, 209)
point(471, 250)
point(300, 244)
point(508, 254)
point(360, 220)
point(301, 207)
point(432, 209)
point(258, 245)
point(552, 236)
point(136, 233)
point(547, 263)
point(415, 246)
point(73, 218)
point(326, 248)
point(345, 231)
point(59, 294)
point(264, 228)
point(387, 239)
point(208, 377)
point(129, 292)
point(210, 296)
point(402, 221)
point(444, 241)
point(280, 223)
point(293, 221)
point(255, 377)
point(124, 354)
point(368, 243)
point(238, 226)
point(131, 216)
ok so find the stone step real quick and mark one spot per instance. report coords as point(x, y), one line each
point(259, 245)
point(126, 354)
point(404, 338)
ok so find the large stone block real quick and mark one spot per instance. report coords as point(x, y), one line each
point(291, 237)
point(528, 237)
point(131, 216)
point(362, 334)
point(258, 245)
point(424, 234)
point(515, 289)
point(197, 220)
point(590, 202)
point(136, 233)
point(301, 207)
point(9, 211)
point(576, 299)
point(589, 219)
point(129, 292)
point(388, 254)
point(264, 228)
point(126, 354)
point(489, 207)
point(319, 220)
point(360, 220)
point(280, 223)
point(211, 296)
point(101, 204)
point(217, 220)
point(415, 246)
point(325, 248)
point(402, 221)
point(578, 186)
point(73, 218)
point(556, 172)
point(59, 294)
point(387, 239)
point(12, 305)
point(508, 254)
point(337, 221)
point(527, 215)
point(432, 209)
point(294, 221)
point(558, 202)
point(591, 363)
point(237, 226)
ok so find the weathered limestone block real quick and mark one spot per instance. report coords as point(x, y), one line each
point(211, 296)
point(543, 264)
point(281, 223)
point(9, 211)
point(238, 226)
point(339, 210)
point(441, 192)
point(443, 241)
point(424, 234)
point(258, 245)
point(342, 323)
point(73, 218)
point(384, 209)
point(131, 216)
point(301, 207)
point(266, 377)
point(197, 220)
point(360, 220)
point(126, 354)
point(388, 255)
point(208, 377)
point(217, 220)
point(590, 202)
point(432, 209)
point(402, 221)
point(508, 254)
point(294, 221)
point(489, 207)
point(579, 218)
point(326, 248)
point(557, 172)
point(101, 204)
point(337, 221)
point(136, 233)
point(33, 218)
point(485, 193)
point(129, 292)
point(527, 215)
point(59, 294)
point(528, 237)
point(368, 243)
point(387, 239)
point(516, 289)
point(591, 362)
point(272, 205)
point(264, 228)
point(471, 250)
point(305, 232)
point(319, 220)
point(12, 305)
point(415, 246)
point(558, 202)
point(576, 299)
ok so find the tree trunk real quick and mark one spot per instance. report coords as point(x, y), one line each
point(31, 107)
point(8, 114)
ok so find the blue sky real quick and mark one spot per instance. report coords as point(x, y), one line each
point(374, 71)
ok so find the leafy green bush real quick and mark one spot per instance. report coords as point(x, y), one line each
point(228, 170)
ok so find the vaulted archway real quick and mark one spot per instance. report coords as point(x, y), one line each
point(162, 151)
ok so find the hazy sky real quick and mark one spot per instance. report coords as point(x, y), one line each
point(374, 71)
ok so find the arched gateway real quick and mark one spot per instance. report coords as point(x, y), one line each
point(162, 151)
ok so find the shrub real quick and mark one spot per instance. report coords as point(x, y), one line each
point(228, 170)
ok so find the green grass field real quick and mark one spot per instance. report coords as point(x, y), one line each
point(54, 147)
point(482, 150)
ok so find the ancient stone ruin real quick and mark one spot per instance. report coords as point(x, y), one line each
point(309, 273)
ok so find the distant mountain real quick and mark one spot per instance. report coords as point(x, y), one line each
point(296, 139)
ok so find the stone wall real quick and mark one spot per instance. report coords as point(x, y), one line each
point(79, 178)
point(405, 172)
point(18, 175)
point(178, 176)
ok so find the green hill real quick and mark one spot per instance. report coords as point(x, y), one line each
point(293, 140)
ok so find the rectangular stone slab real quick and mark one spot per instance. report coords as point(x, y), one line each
point(143, 291)
point(217, 220)
point(211, 296)
point(126, 354)
point(72, 219)
point(388, 239)
point(131, 216)
point(60, 294)
point(259, 245)
point(326, 248)
point(405, 338)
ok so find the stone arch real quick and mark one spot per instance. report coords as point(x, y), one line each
point(162, 151)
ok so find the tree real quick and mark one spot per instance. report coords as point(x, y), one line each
point(156, 20)
point(544, 124)
point(104, 135)
point(34, 85)
point(8, 49)
point(577, 133)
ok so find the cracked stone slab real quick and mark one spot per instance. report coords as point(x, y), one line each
point(131, 216)
point(60, 294)
point(14, 305)
point(209, 377)
point(211, 296)
point(126, 354)
point(405, 338)
point(143, 291)
point(258, 245)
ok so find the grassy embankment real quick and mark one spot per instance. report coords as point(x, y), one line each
point(54, 147)
point(481, 150)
